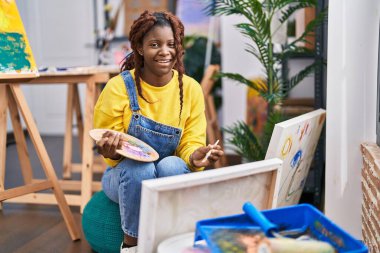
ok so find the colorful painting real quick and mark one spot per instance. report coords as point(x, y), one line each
point(237, 240)
point(294, 141)
point(16, 56)
point(132, 147)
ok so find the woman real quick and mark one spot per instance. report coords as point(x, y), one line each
point(153, 100)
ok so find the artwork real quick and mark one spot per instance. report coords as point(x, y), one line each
point(236, 240)
point(172, 205)
point(132, 147)
point(294, 141)
point(16, 58)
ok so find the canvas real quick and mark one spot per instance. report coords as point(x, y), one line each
point(16, 58)
point(171, 206)
point(294, 141)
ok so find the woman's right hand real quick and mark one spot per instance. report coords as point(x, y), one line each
point(108, 145)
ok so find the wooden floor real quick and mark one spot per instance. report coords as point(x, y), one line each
point(28, 228)
point(37, 228)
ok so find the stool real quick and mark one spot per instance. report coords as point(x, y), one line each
point(101, 224)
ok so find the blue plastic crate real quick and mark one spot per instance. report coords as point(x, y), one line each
point(297, 218)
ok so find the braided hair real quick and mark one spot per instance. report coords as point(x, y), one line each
point(140, 27)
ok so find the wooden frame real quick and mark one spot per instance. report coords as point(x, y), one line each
point(172, 205)
point(295, 141)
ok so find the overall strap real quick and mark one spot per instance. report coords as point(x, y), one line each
point(130, 86)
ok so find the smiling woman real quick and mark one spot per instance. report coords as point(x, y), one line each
point(159, 55)
point(154, 101)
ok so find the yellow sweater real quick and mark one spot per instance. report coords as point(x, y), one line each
point(112, 111)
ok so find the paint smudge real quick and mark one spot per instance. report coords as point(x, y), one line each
point(304, 131)
point(13, 56)
point(286, 147)
point(133, 148)
point(296, 159)
point(294, 184)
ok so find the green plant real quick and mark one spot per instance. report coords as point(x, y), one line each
point(246, 143)
point(259, 15)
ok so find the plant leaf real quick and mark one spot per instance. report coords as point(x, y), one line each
point(287, 12)
point(310, 28)
point(294, 80)
point(245, 142)
point(280, 4)
point(254, 84)
point(273, 118)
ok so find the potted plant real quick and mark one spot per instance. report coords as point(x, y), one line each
point(258, 28)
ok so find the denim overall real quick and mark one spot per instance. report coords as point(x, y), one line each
point(122, 184)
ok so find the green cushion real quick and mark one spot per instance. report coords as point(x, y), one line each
point(101, 224)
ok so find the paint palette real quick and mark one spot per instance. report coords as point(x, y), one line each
point(132, 147)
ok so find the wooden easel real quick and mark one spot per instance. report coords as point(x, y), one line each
point(12, 98)
point(91, 77)
point(213, 129)
point(17, 65)
point(74, 107)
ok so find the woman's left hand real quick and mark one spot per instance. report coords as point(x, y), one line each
point(198, 157)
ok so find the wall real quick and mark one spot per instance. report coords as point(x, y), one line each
point(353, 31)
point(236, 60)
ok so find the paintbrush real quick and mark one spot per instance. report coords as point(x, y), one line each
point(209, 152)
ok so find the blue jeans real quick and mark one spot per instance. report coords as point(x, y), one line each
point(122, 185)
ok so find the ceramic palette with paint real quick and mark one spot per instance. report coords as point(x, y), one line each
point(132, 147)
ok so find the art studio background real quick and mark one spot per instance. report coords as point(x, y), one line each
point(66, 33)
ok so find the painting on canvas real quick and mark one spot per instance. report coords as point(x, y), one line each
point(294, 141)
point(16, 58)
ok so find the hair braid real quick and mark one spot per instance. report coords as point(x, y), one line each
point(141, 26)
point(179, 33)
